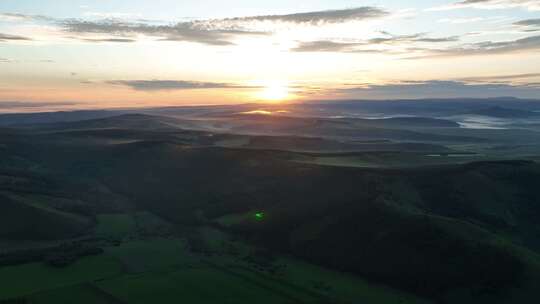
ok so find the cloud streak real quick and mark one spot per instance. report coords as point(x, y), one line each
point(7, 37)
point(320, 17)
point(183, 31)
point(528, 22)
point(531, 43)
point(365, 46)
point(497, 78)
point(13, 17)
point(436, 89)
point(528, 25)
point(175, 85)
point(216, 32)
point(327, 46)
point(7, 105)
point(113, 40)
point(532, 5)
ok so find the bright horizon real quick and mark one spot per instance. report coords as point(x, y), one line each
point(108, 54)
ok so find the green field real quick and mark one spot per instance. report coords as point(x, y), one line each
point(196, 285)
point(162, 270)
point(17, 281)
point(81, 294)
point(149, 224)
point(115, 225)
point(152, 255)
point(235, 219)
point(341, 286)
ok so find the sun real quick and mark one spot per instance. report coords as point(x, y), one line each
point(274, 91)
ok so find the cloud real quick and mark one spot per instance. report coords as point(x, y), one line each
point(326, 46)
point(498, 78)
point(24, 17)
point(532, 5)
point(6, 37)
point(531, 43)
point(121, 31)
point(528, 22)
point(7, 105)
point(320, 17)
point(115, 40)
point(436, 89)
point(184, 31)
point(528, 25)
point(364, 46)
point(438, 40)
point(217, 32)
point(172, 85)
point(313, 18)
point(418, 37)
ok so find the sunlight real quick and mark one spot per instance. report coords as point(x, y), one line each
point(257, 112)
point(274, 91)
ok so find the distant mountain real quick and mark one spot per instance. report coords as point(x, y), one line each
point(52, 117)
point(122, 121)
point(416, 107)
point(423, 122)
point(501, 112)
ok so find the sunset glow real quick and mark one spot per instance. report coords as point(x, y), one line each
point(111, 54)
point(275, 92)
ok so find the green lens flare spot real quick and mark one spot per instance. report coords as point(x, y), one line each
point(259, 216)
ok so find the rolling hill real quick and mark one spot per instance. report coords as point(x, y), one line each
point(465, 232)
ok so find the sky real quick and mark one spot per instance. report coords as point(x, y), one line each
point(75, 54)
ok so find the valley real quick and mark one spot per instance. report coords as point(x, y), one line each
point(139, 208)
